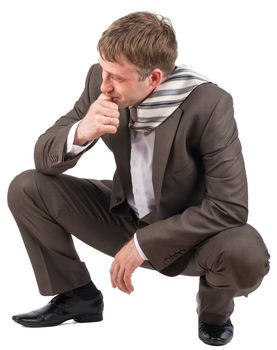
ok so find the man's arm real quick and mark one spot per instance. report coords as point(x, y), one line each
point(50, 147)
point(225, 202)
point(97, 115)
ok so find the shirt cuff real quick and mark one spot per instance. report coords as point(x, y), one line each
point(142, 255)
point(71, 149)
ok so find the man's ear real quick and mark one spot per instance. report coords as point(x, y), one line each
point(156, 77)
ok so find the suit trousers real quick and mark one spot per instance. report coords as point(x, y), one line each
point(50, 209)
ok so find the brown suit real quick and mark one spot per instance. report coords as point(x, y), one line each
point(199, 182)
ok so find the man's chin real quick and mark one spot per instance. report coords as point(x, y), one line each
point(121, 105)
point(116, 101)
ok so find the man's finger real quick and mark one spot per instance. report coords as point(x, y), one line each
point(108, 129)
point(104, 97)
point(109, 120)
point(113, 273)
point(120, 281)
point(128, 281)
point(109, 102)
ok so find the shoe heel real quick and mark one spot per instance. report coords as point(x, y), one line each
point(89, 318)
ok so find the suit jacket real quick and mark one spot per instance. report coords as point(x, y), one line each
point(199, 177)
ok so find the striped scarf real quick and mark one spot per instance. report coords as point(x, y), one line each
point(164, 100)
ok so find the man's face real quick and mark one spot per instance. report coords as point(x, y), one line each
point(121, 83)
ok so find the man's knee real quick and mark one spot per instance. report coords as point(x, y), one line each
point(240, 258)
point(23, 186)
point(247, 256)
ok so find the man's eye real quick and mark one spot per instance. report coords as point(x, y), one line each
point(116, 78)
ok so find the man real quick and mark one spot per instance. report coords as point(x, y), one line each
point(178, 199)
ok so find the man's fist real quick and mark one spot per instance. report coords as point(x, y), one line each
point(102, 118)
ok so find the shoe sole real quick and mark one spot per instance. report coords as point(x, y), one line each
point(80, 319)
point(216, 342)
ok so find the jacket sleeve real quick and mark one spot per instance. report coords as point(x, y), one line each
point(49, 151)
point(225, 200)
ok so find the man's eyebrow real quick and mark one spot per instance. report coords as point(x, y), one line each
point(114, 75)
point(110, 73)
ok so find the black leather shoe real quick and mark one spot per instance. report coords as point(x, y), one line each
point(216, 335)
point(63, 307)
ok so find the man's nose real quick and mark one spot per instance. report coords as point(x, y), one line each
point(106, 86)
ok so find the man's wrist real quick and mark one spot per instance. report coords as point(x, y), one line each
point(78, 140)
point(140, 251)
point(71, 148)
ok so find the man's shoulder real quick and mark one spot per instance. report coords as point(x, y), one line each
point(212, 89)
point(95, 72)
point(94, 80)
point(96, 68)
point(205, 95)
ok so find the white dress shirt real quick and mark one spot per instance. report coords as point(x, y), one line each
point(141, 197)
point(71, 149)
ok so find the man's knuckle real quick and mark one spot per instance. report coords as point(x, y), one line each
point(128, 269)
point(97, 109)
point(93, 107)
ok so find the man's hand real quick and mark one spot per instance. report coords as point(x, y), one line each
point(101, 118)
point(124, 264)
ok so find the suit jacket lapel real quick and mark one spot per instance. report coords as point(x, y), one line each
point(121, 147)
point(164, 136)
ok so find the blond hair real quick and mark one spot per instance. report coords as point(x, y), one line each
point(147, 40)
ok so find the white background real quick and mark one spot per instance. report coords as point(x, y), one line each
point(47, 48)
